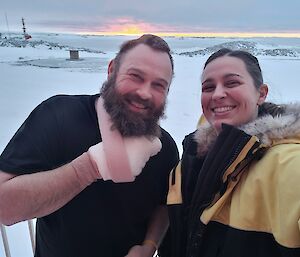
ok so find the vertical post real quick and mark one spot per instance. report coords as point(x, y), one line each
point(5, 241)
point(24, 29)
point(32, 235)
point(7, 25)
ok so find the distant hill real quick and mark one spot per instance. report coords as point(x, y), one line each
point(251, 47)
point(20, 42)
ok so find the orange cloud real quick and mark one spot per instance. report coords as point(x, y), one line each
point(129, 26)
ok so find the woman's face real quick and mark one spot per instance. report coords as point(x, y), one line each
point(229, 94)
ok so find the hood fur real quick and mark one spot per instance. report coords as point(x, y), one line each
point(266, 128)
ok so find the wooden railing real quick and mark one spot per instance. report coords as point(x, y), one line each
point(6, 242)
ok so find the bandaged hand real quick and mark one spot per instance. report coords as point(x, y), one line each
point(138, 149)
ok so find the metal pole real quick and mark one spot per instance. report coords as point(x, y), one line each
point(32, 235)
point(5, 241)
point(24, 29)
point(7, 25)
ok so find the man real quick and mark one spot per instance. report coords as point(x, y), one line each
point(92, 169)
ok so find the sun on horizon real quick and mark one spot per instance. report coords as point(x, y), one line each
point(131, 30)
point(126, 30)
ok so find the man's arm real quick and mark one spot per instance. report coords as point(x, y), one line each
point(35, 195)
point(156, 231)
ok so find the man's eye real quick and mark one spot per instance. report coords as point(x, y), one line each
point(135, 76)
point(159, 85)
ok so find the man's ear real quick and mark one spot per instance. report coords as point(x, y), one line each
point(263, 92)
point(110, 69)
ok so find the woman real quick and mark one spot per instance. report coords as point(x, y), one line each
point(236, 190)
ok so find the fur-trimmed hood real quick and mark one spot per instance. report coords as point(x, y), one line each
point(268, 129)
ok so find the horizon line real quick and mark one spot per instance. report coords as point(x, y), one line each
point(199, 34)
point(176, 34)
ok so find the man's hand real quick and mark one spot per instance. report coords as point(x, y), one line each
point(145, 250)
point(138, 149)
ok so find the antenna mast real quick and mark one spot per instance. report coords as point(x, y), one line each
point(24, 29)
point(7, 25)
point(26, 36)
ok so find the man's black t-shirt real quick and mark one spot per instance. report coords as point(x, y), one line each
point(106, 218)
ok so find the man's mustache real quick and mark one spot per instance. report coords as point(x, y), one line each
point(145, 102)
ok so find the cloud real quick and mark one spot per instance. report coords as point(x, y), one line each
point(188, 15)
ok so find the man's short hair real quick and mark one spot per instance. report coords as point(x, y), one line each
point(154, 42)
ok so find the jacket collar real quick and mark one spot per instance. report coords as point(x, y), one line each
point(268, 129)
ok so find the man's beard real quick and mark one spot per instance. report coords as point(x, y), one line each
point(130, 123)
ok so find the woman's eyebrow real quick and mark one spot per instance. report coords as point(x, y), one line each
point(207, 80)
point(233, 75)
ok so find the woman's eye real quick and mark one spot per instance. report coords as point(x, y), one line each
point(232, 83)
point(208, 88)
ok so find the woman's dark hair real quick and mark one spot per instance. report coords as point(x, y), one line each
point(270, 108)
point(250, 61)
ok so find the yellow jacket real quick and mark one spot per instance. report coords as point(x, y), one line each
point(265, 197)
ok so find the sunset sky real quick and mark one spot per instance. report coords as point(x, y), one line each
point(152, 16)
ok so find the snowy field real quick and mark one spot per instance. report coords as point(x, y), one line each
point(32, 71)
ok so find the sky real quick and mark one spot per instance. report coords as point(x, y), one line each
point(140, 16)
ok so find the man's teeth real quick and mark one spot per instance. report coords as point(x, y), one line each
point(138, 105)
point(223, 109)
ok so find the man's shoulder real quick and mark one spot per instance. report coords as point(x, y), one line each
point(165, 136)
point(168, 142)
point(67, 104)
point(62, 99)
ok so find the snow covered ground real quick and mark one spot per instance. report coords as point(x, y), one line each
point(33, 71)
